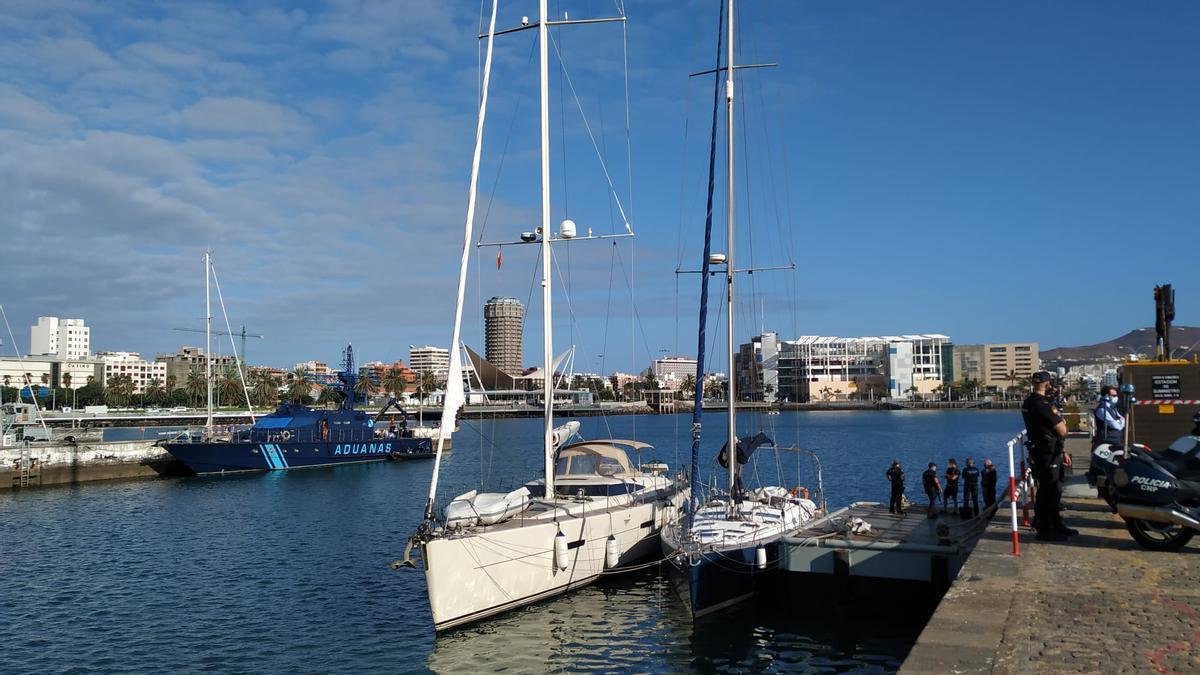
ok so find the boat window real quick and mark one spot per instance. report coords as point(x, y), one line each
point(587, 465)
point(577, 465)
point(593, 490)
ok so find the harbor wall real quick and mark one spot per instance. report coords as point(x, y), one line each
point(66, 463)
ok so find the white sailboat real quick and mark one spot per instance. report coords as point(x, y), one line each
point(594, 510)
point(722, 551)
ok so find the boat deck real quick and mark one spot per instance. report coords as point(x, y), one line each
point(912, 527)
point(906, 546)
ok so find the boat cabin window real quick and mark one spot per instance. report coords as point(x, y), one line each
point(596, 490)
point(584, 462)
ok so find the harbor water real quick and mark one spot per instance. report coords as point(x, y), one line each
point(289, 571)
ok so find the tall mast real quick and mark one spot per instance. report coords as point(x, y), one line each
point(454, 382)
point(729, 269)
point(705, 264)
point(547, 291)
point(208, 335)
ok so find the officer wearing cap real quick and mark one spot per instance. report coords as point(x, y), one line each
point(1045, 427)
point(895, 476)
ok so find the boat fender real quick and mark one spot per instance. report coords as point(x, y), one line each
point(612, 552)
point(760, 557)
point(560, 550)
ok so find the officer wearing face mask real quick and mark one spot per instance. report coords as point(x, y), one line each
point(1108, 422)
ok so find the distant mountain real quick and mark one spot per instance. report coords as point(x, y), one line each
point(1140, 341)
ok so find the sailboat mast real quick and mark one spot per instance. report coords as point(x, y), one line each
point(729, 269)
point(547, 291)
point(454, 381)
point(208, 335)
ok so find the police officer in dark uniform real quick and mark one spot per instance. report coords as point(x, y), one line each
point(895, 476)
point(933, 488)
point(952, 474)
point(970, 479)
point(989, 483)
point(1045, 428)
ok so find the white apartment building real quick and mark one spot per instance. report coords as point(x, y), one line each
point(131, 363)
point(434, 359)
point(827, 367)
point(671, 371)
point(67, 338)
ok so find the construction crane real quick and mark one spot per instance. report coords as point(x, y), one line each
point(243, 334)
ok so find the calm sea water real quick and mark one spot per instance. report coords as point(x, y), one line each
point(289, 571)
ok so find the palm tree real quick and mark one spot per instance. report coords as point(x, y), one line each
point(66, 380)
point(172, 384)
point(426, 384)
point(364, 386)
point(299, 387)
point(154, 391)
point(231, 385)
point(195, 386)
point(264, 392)
point(329, 395)
point(649, 380)
point(119, 390)
point(689, 385)
point(826, 393)
point(1011, 377)
point(394, 382)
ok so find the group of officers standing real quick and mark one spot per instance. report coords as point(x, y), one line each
point(971, 477)
point(1048, 460)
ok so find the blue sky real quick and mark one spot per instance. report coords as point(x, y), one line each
point(994, 172)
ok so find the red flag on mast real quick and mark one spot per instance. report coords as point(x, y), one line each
point(499, 257)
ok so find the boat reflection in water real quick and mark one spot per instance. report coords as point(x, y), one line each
point(635, 623)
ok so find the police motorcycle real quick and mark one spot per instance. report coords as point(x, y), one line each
point(1156, 493)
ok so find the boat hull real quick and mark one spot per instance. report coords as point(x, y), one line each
point(482, 574)
point(210, 458)
point(715, 580)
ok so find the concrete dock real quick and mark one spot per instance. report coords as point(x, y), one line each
point(61, 463)
point(1097, 603)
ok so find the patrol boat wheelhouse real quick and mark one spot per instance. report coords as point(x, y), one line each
point(297, 436)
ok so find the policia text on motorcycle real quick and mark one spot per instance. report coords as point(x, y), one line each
point(1045, 427)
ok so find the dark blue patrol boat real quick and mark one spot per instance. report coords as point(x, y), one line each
point(297, 436)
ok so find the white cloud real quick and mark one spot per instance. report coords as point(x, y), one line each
point(238, 115)
point(18, 111)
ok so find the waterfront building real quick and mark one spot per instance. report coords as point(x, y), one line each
point(619, 380)
point(67, 338)
point(141, 372)
point(13, 371)
point(504, 320)
point(188, 359)
point(314, 367)
point(968, 363)
point(671, 371)
point(434, 359)
point(998, 365)
point(828, 368)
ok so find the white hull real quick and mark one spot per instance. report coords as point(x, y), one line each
point(489, 570)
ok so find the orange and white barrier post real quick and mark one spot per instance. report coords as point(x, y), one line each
point(1012, 496)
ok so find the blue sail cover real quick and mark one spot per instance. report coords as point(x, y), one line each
point(698, 409)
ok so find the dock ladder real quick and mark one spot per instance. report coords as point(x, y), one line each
point(26, 463)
